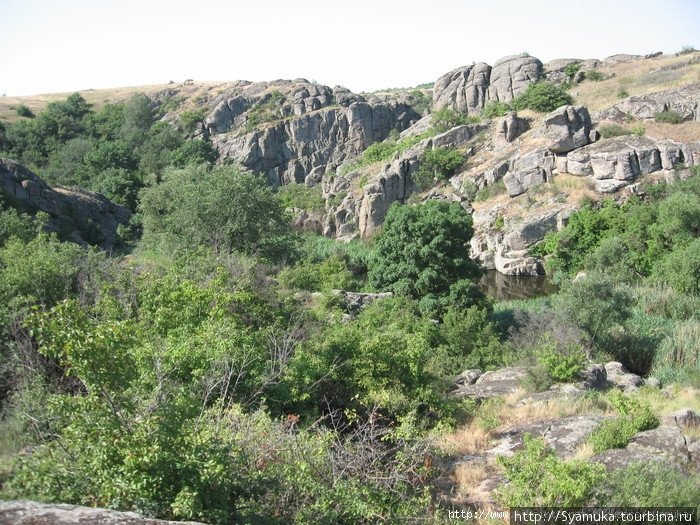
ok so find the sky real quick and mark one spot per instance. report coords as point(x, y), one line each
point(49, 46)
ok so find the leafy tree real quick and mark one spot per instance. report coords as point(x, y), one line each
point(225, 208)
point(542, 97)
point(137, 119)
point(437, 164)
point(194, 152)
point(681, 269)
point(423, 252)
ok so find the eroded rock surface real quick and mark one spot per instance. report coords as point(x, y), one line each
point(85, 216)
point(24, 512)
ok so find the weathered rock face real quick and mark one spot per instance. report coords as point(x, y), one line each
point(86, 216)
point(614, 163)
point(492, 384)
point(467, 89)
point(684, 100)
point(567, 128)
point(511, 75)
point(23, 512)
point(528, 171)
point(290, 150)
point(464, 89)
point(511, 127)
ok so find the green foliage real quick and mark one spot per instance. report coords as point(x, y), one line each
point(419, 101)
point(571, 69)
point(226, 209)
point(315, 277)
point(190, 118)
point(445, 119)
point(622, 93)
point(423, 252)
point(267, 109)
point(597, 305)
point(594, 75)
point(495, 108)
point(609, 131)
point(194, 152)
point(681, 269)
point(23, 111)
point(561, 364)
point(653, 484)
point(542, 97)
point(471, 338)
point(386, 359)
point(617, 432)
point(309, 198)
point(538, 478)
point(668, 117)
point(437, 164)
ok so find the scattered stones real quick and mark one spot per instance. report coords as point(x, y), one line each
point(353, 302)
point(469, 377)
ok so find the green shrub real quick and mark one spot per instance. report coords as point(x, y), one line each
point(309, 198)
point(445, 119)
point(494, 108)
point(613, 130)
point(611, 434)
point(562, 364)
point(635, 416)
point(471, 338)
point(653, 484)
point(315, 277)
point(542, 97)
point(423, 250)
point(680, 349)
point(570, 70)
point(437, 164)
point(380, 151)
point(681, 269)
point(622, 93)
point(23, 111)
point(594, 75)
point(538, 478)
point(668, 117)
point(190, 118)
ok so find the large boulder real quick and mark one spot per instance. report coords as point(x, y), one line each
point(23, 512)
point(563, 435)
point(87, 217)
point(567, 128)
point(493, 384)
point(511, 75)
point(528, 171)
point(464, 89)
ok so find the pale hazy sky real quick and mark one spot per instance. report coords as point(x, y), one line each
point(67, 45)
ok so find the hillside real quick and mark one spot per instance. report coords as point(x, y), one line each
point(263, 302)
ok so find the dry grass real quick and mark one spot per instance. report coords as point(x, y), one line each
point(583, 452)
point(683, 132)
point(468, 476)
point(97, 98)
point(469, 439)
point(636, 78)
point(668, 401)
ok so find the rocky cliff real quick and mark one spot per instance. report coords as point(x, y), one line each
point(82, 216)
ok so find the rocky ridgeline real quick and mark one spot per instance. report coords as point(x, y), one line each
point(83, 216)
point(294, 129)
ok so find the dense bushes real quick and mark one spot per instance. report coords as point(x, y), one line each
point(226, 209)
point(437, 164)
point(542, 97)
point(423, 253)
point(616, 433)
point(537, 477)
